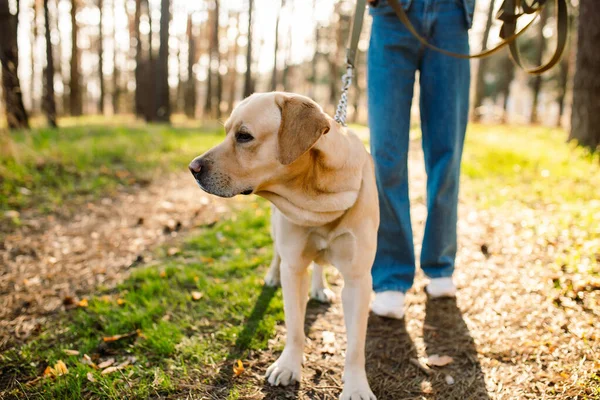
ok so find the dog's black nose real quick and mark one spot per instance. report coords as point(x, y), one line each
point(195, 166)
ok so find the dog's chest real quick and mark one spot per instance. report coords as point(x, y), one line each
point(333, 247)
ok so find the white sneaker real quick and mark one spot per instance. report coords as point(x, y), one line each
point(389, 304)
point(441, 287)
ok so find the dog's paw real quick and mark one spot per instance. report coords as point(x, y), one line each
point(284, 372)
point(357, 394)
point(323, 295)
point(356, 387)
point(272, 279)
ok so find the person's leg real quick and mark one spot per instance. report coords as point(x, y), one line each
point(444, 114)
point(392, 63)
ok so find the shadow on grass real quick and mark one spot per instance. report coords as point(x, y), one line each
point(451, 337)
point(392, 357)
point(223, 382)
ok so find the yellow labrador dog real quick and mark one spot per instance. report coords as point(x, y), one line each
point(320, 180)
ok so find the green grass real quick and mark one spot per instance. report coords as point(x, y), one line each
point(181, 338)
point(528, 164)
point(533, 168)
point(45, 168)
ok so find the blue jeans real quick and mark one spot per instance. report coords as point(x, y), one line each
point(393, 58)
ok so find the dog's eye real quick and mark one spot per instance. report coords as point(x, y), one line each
point(243, 137)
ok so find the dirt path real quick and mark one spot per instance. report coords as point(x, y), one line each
point(52, 262)
point(508, 337)
point(511, 334)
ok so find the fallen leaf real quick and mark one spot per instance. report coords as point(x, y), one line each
point(83, 302)
point(86, 360)
point(173, 251)
point(438, 361)
point(238, 368)
point(197, 295)
point(107, 363)
point(114, 338)
point(72, 352)
point(105, 299)
point(426, 387)
point(120, 302)
point(90, 377)
point(163, 274)
point(60, 368)
point(109, 370)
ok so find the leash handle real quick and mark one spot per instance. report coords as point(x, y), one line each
point(508, 14)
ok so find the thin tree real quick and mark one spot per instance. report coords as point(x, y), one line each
point(507, 68)
point(287, 61)
point(213, 65)
point(276, 48)
point(9, 57)
point(49, 100)
point(248, 84)
point(233, 73)
point(565, 70)
point(115, 84)
point(190, 87)
point(101, 58)
point(483, 63)
point(537, 80)
point(217, 50)
point(585, 118)
point(313, 64)
point(162, 110)
point(138, 103)
point(34, 33)
point(147, 88)
point(75, 101)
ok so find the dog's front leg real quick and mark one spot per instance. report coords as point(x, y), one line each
point(294, 284)
point(355, 299)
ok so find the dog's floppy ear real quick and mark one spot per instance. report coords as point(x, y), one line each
point(302, 124)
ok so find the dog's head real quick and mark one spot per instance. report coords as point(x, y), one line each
point(265, 134)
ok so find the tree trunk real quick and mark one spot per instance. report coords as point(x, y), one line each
point(75, 102)
point(537, 80)
point(161, 98)
point(49, 100)
point(218, 61)
point(585, 118)
point(233, 74)
point(274, 73)
point(315, 59)
point(213, 94)
point(148, 73)
point(190, 87)
point(248, 84)
point(483, 62)
point(138, 103)
point(101, 59)
point(508, 74)
point(9, 57)
point(115, 86)
point(34, 32)
point(287, 61)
